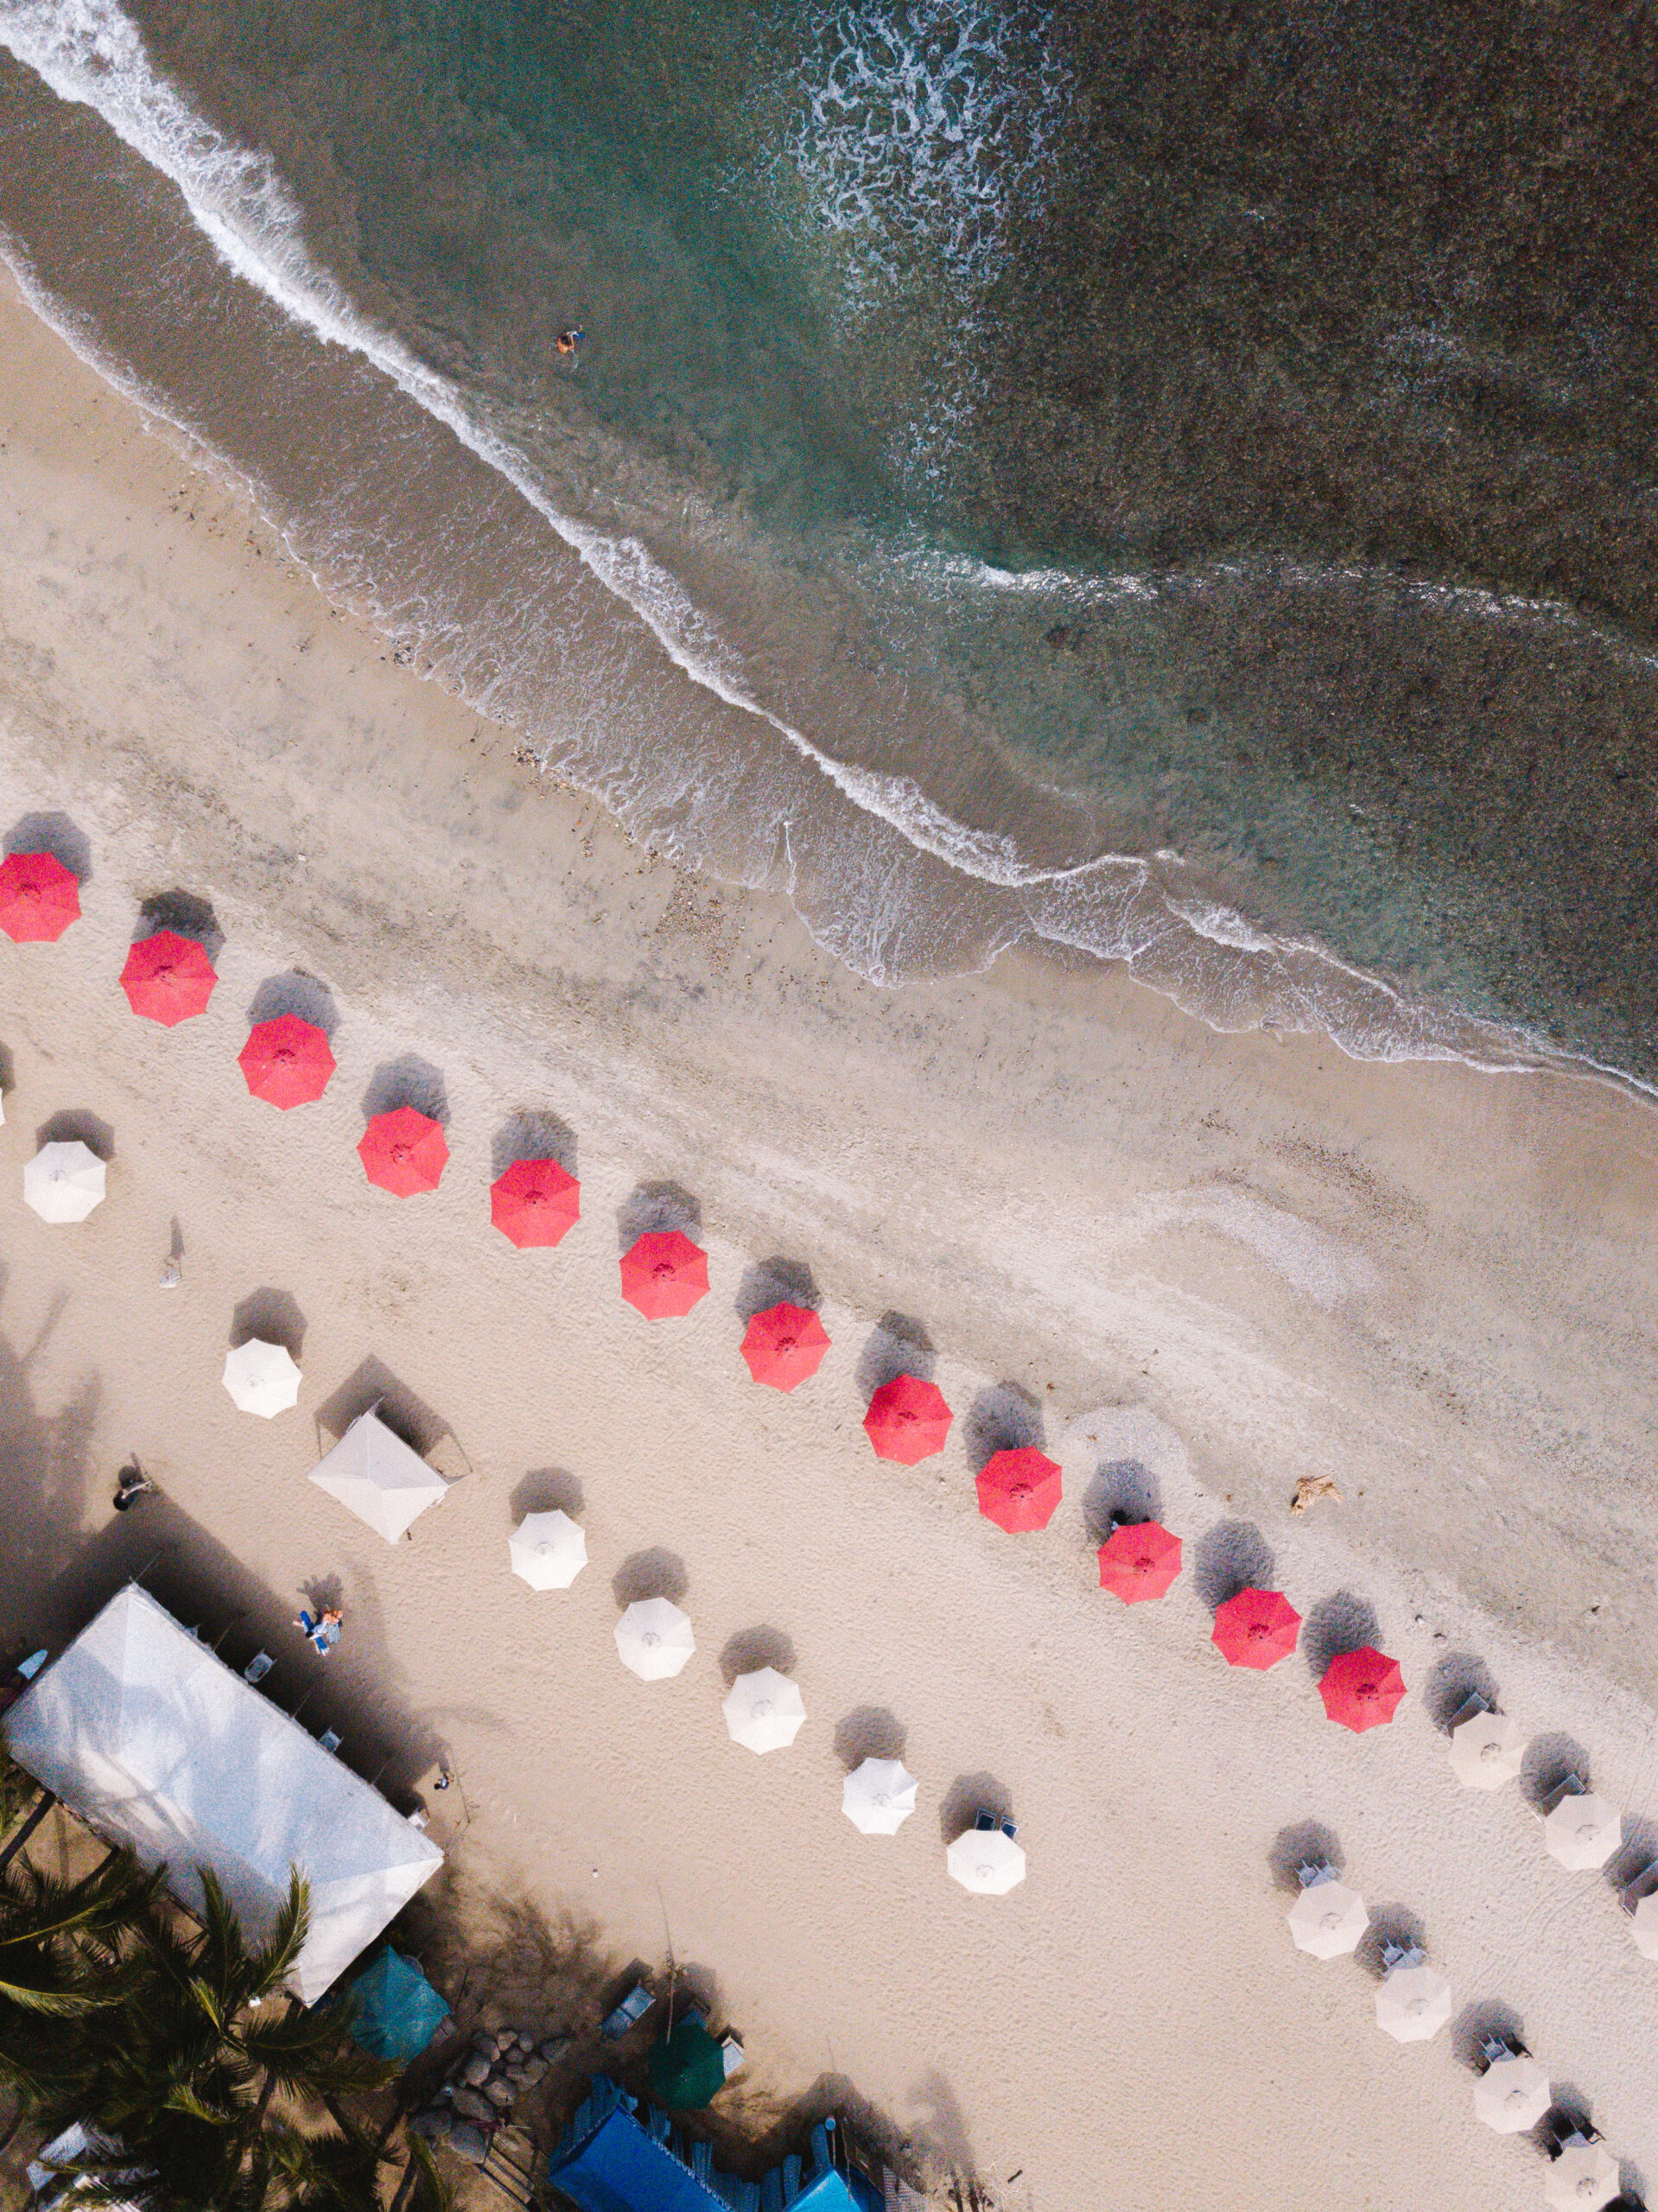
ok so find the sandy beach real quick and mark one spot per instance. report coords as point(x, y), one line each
point(1231, 1261)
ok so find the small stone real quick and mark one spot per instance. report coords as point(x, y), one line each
point(504, 2041)
point(475, 2072)
point(554, 2047)
point(471, 2144)
point(469, 2105)
point(516, 2075)
point(500, 2093)
point(532, 2069)
point(526, 2041)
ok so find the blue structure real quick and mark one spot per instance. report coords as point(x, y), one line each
point(398, 2011)
point(614, 2159)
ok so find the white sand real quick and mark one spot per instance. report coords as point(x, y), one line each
point(1238, 1261)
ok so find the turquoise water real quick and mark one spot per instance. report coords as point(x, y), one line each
point(1179, 487)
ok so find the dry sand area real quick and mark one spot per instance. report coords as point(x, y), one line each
point(1228, 1261)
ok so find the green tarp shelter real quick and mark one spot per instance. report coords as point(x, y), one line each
point(398, 2011)
point(687, 2067)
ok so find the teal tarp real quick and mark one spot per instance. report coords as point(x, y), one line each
point(398, 2011)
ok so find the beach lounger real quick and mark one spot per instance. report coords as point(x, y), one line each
point(791, 2179)
point(702, 2161)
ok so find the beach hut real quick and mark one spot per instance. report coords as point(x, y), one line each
point(878, 1796)
point(663, 1275)
point(986, 1861)
point(397, 2012)
point(784, 1346)
point(64, 1182)
point(1020, 1490)
point(1583, 2178)
point(654, 1639)
point(610, 2159)
point(285, 1062)
point(261, 1378)
point(1328, 1919)
point(1138, 1561)
point(1513, 2092)
point(908, 1420)
point(404, 1152)
point(1255, 1628)
point(1362, 1689)
point(548, 1550)
point(535, 1203)
point(1583, 1831)
point(167, 978)
point(376, 1475)
point(156, 1742)
point(687, 2068)
point(763, 1711)
point(1413, 2002)
point(39, 897)
point(1486, 1751)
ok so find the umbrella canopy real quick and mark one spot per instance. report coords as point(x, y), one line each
point(764, 1710)
point(1413, 2004)
point(535, 1203)
point(1362, 1689)
point(1019, 1490)
point(1583, 1831)
point(261, 1378)
point(1643, 1926)
point(907, 1420)
point(784, 1346)
point(39, 897)
point(404, 1152)
point(549, 1550)
point(878, 1796)
point(987, 1862)
point(1583, 2178)
point(286, 1061)
point(64, 1182)
point(167, 978)
point(376, 1475)
point(1256, 1629)
point(1328, 1919)
point(1512, 2094)
point(687, 2068)
point(663, 1274)
point(1486, 1751)
point(1138, 1561)
point(397, 2010)
point(654, 1639)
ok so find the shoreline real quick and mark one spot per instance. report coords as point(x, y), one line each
point(1264, 1259)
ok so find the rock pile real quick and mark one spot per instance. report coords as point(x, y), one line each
point(499, 2067)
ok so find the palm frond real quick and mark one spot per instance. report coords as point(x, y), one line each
point(272, 1964)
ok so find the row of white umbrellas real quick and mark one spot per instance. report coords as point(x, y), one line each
point(1412, 2003)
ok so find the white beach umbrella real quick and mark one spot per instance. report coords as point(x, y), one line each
point(1513, 2092)
point(261, 1378)
point(985, 1861)
point(1583, 1831)
point(64, 1182)
point(1413, 2004)
point(654, 1639)
point(1583, 2178)
point(1644, 1927)
point(764, 1710)
point(878, 1796)
point(549, 1550)
point(378, 1477)
point(1328, 1919)
point(1486, 1751)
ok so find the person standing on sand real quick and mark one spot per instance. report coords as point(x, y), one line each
point(571, 341)
point(131, 1485)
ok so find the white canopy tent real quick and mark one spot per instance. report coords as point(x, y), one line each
point(375, 1473)
point(156, 1742)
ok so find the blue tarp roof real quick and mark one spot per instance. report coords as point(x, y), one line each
point(398, 2011)
point(621, 2169)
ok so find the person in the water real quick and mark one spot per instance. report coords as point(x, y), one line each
point(570, 342)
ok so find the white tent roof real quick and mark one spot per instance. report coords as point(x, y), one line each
point(156, 1743)
point(376, 1475)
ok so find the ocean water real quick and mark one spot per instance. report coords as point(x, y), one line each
point(1176, 485)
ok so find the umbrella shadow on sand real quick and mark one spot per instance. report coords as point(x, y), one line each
point(751, 1648)
point(1456, 1678)
point(897, 1345)
point(869, 1732)
point(657, 1573)
point(372, 1385)
point(1488, 2021)
point(533, 1133)
point(1231, 1556)
point(272, 1316)
point(409, 1081)
point(968, 1795)
point(653, 1208)
point(1336, 1625)
point(1004, 1418)
point(297, 992)
point(54, 832)
point(548, 1490)
point(185, 915)
point(1393, 1927)
point(776, 1281)
point(1122, 1490)
point(1305, 1843)
point(1549, 1761)
point(77, 1126)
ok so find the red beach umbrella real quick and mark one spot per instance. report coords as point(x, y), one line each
point(1019, 1490)
point(287, 1061)
point(1138, 1561)
point(167, 978)
point(664, 1273)
point(39, 898)
point(784, 1346)
point(1256, 1629)
point(535, 1202)
point(404, 1152)
point(907, 1420)
point(1362, 1689)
